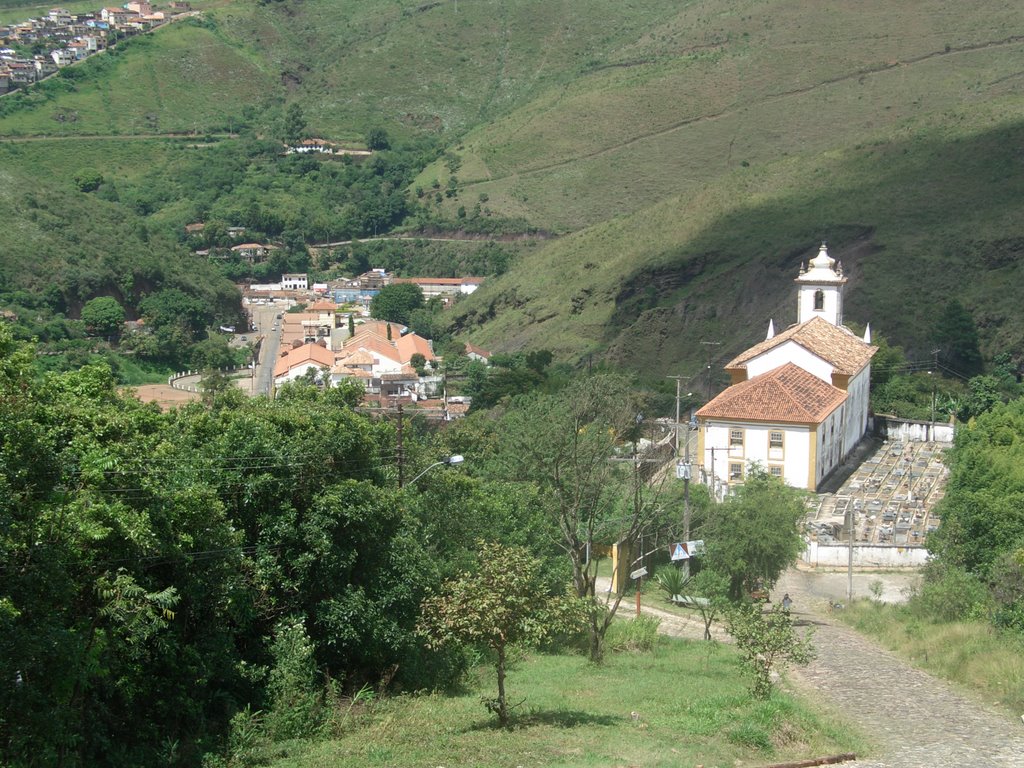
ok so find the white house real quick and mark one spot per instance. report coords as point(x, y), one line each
point(798, 403)
point(295, 282)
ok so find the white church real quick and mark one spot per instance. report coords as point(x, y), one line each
point(798, 402)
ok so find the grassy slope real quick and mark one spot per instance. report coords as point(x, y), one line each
point(922, 210)
point(181, 78)
point(691, 705)
point(721, 84)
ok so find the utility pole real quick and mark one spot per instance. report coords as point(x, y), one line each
point(401, 452)
point(679, 381)
point(709, 345)
point(849, 565)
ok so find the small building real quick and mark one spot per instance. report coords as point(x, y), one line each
point(253, 253)
point(295, 282)
point(295, 363)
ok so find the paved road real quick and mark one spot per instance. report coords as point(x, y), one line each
point(265, 318)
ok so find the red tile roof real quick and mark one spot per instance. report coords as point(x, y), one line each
point(307, 353)
point(785, 394)
point(834, 344)
point(410, 344)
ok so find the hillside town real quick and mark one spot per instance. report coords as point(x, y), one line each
point(40, 47)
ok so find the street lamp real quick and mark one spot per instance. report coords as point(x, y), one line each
point(449, 460)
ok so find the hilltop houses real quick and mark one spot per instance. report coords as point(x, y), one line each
point(67, 38)
point(798, 402)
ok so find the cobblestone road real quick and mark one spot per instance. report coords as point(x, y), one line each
point(916, 720)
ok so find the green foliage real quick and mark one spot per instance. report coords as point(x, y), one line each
point(103, 316)
point(396, 302)
point(950, 594)
point(294, 124)
point(983, 510)
point(672, 581)
point(500, 606)
point(297, 707)
point(768, 643)
point(562, 443)
point(144, 617)
point(88, 179)
point(957, 338)
point(377, 140)
point(754, 535)
point(639, 634)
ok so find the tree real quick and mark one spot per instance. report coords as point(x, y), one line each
point(565, 444)
point(754, 535)
point(712, 592)
point(396, 303)
point(103, 316)
point(294, 124)
point(88, 179)
point(419, 363)
point(768, 643)
point(377, 139)
point(500, 606)
point(957, 337)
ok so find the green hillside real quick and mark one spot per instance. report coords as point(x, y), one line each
point(688, 154)
point(915, 220)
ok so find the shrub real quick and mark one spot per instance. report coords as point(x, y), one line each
point(637, 634)
point(950, 594)
point(671, 580)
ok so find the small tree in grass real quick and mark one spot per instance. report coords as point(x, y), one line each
point(503, 604)
point(768, 642)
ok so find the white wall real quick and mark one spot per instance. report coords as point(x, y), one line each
point(864, 556)
point(830, 444)
point(789, 352)
point(795, 460)
point(297, 372)
point(832, 308)
point(857, 396)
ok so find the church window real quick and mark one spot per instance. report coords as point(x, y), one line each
point(775, 471)
point(735, 438)
point(735, 472)
point(775, 444)
point(819, 300)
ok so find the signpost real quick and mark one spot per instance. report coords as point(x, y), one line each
point(638, 574)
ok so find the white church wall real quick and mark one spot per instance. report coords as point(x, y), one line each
point(830, 445)
point(794, 459)
point(789, 352)
point(857, 395)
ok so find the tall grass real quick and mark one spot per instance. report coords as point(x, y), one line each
point(971, 653)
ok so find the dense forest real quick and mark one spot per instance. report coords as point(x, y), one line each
point(162, 572)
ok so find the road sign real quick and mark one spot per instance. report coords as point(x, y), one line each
point(687, 549)
point(682, 470)
point(679, 552)
point(639, 572)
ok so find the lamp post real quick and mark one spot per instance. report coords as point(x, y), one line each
point(449, 460)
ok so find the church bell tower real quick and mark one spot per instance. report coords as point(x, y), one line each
point(820, 288)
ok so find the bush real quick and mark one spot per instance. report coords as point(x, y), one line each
point(637, 634)
point(950, 594)
point(671, 580)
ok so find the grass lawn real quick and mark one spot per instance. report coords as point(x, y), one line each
point(971, 653)
point(690, 702)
